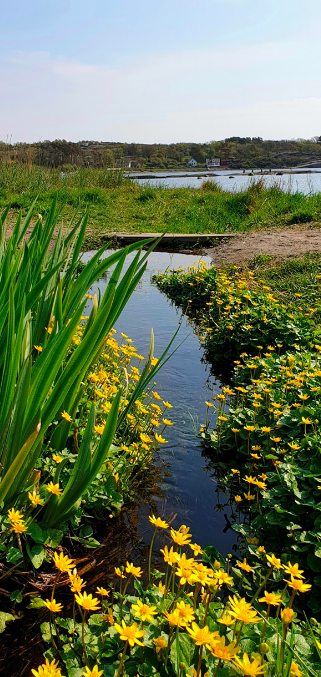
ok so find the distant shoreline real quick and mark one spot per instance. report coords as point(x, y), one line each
point(218, 171)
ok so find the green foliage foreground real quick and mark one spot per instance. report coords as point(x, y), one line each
point(265, 448)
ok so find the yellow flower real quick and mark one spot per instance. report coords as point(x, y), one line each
point(224, 653)
point(174, 618)
point(129, 633)
point(92, 673)
point(287, 615)
point(293, 570)
point(47, 669)
point(306, 421)
point(274, 561)
point(160, 643)
point(226, 619)
point(119, 572)
point(243, 565)
point(298, 585)
point(52, 605)
point(144, 611)
point(249, 497)
point(56, 458)
point(15, 516)
point(250, 669)
point(295, 670)
point(66, 416)
point(134, 571)
point(171, 557)
point(197, 550)
point(158, 522)
point(265, 429)
point(88, 602)
point(182, 536)
point(271, 599)
point(186, 612)
point(19, 527)
point(160, 439)
point(156, 395)
point(294, 446)
point(238, 498)
point(54, 489)
point(220, 577)
point(102, 591)
point(202, 636)
point(34, 498)
point(39, 348)
point(250, 428)
point(168, 405)
point(167, 421)
point(76, 583)
point(234, 471)
point(62, 562)
point(242, 610)
point(250, 479)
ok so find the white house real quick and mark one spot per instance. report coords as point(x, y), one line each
point(191, 163)
point(213, 162)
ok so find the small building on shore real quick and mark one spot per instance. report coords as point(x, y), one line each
point(213, 162)
point(191, 163)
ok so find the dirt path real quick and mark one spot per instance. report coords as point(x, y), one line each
point(286, 243)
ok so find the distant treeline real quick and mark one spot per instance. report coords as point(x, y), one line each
point(237, 152)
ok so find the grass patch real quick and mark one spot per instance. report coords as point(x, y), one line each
point(117, 204)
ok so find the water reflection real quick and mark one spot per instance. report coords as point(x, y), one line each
point(186, 382)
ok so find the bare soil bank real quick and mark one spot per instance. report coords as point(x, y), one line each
point(290, 242)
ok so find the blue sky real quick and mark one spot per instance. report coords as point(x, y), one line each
point(163, 71)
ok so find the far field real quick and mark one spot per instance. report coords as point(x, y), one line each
point(116, 204)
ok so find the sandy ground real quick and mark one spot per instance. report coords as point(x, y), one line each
point(290, 242)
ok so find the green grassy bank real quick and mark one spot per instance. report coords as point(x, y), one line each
point(116, 204)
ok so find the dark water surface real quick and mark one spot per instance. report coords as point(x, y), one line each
point(185, 381)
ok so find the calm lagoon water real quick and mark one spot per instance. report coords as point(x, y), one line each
point(303, 182)
point(188, 488)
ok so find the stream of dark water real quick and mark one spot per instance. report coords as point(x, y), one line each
point(188, 489)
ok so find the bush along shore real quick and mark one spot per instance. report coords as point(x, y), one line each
point(266, 442)
point(119, 205)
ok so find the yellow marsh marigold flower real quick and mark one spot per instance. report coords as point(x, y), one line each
point(294, 446)
point(167, 421)
point(293, 570)
point(144, 611)
point(54, 489)
point(174, 618)
point(244, 566)
point(88, 602)
point(222, 651)
point(134, 571)
point(226, 619)
point(171, 557)
point(238, 498)
point(76, 583)
point(181, 536)
point(306, 421)
point(156, 395)
point(15, 515)
point(185, 611)
point(160, 439)
point(66, 416)
point(62, 562)
point(249, 496)
point(295, 670)
point(250, 428)
point(119, 572)
point(197, 550)
point(57, 458)
point(47, 669)
point(34, 498)
point(102, 591)
point(287, 615)
point(39, 348)
point(250, 479)
point(271, 599)
point(234, 471)
point(52, 605)
point(158, 522)
point(298, 585)
point(265, 429)
point(92, 673)
point(242, 610)
point(222, 577)
point(202, 636)
point(274, 561)
point(160, 643)
point(168, 405)
point(129, 633)
point(250, 669)
point(19, 527)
